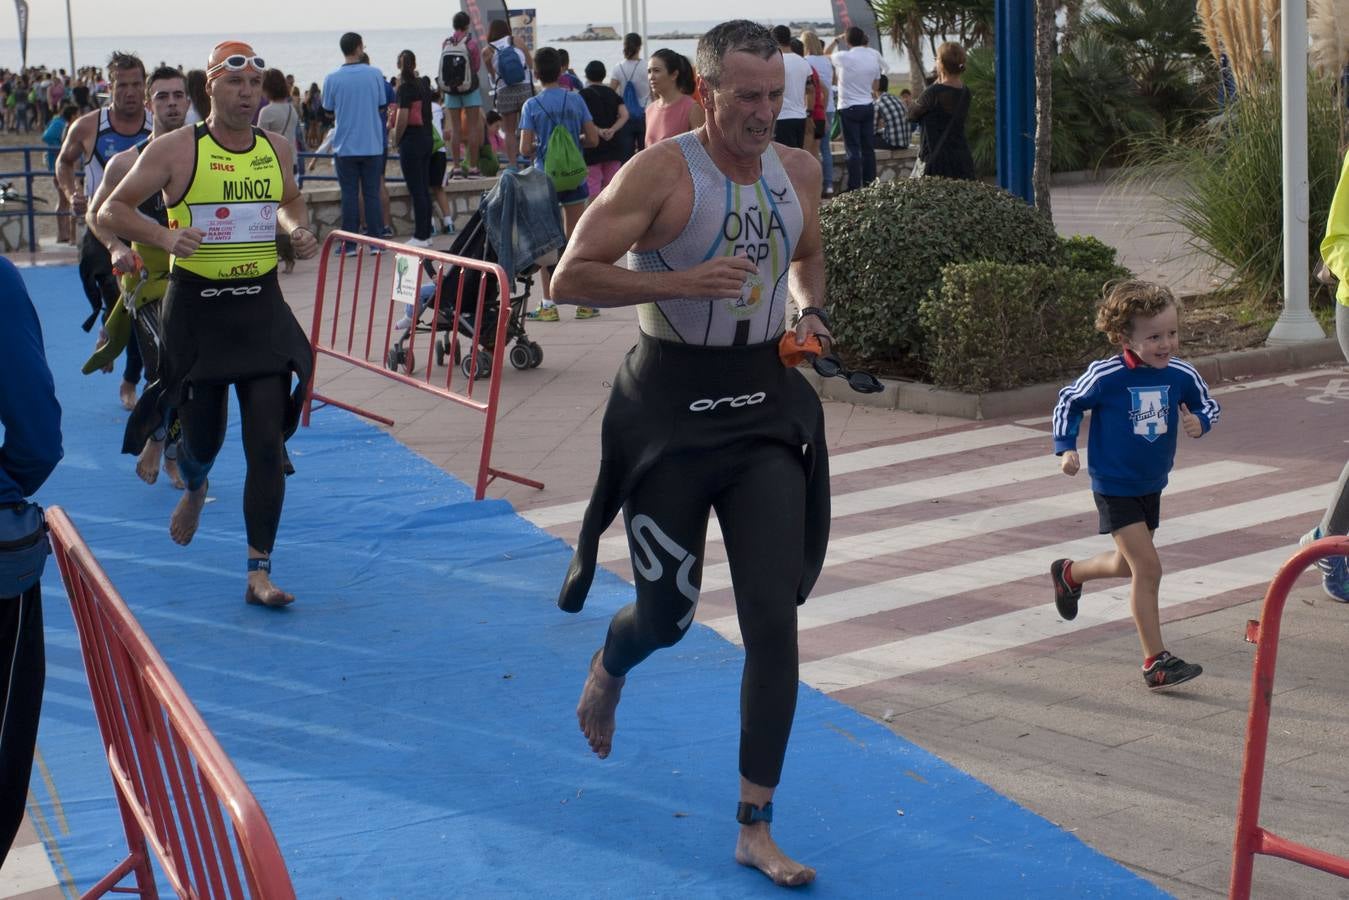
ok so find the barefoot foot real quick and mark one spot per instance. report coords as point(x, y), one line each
point(261, 592)
point(595, 711)
point(186, 515)
point(127, 394)
point(755, 848)
point(147, 464)
point(171, 470)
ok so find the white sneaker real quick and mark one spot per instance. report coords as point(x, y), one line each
point(403, 324)
point(417, 242)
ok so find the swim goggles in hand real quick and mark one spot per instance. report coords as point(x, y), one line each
point(236, 63)
point(830, 366)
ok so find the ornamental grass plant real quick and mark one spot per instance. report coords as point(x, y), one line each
point(1225, 182)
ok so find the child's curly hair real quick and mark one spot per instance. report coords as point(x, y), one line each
point(1128, 300)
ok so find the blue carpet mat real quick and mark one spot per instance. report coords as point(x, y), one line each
point(408, 726)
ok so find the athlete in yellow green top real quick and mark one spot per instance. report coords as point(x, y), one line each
point(229, 186)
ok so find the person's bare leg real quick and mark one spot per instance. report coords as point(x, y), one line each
point(756, 848)
point(1135, 544)
point(147, 463)
point(599, 700)
point(187, 515)
point(472, 134)
point(261, 591)
point(454, 117)
point(171, 470)
point(127, 394)
point(1110, 564)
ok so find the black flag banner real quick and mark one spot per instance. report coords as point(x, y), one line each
point(848, 13)
point(21, 7)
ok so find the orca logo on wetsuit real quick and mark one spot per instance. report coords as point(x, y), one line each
point(237, 291)
point(706, 405)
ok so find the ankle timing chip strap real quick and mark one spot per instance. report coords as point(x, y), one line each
point(748, 813)
point(260, 565)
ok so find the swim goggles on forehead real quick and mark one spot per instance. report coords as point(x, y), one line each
point(237, 62)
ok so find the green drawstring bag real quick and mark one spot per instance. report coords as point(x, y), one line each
point(488, 164)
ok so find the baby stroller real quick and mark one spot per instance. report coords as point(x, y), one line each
point(472, 243)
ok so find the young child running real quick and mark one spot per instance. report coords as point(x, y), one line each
point(1138, 400)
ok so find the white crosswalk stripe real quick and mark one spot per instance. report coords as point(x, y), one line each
point(989, 573)
point(844, 463)
point(995, 518)
point(1014, 629)
point(615, 548)
point(1017, 494)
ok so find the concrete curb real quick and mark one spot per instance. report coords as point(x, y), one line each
point(917, 397)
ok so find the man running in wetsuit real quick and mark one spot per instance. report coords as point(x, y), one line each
point(167, 89)
point(722, 233)
point(228, 186)
point(96, 137)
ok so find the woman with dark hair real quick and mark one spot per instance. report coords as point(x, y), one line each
point(671, 110)
point(631, 70)
point(196, 92)
point(510, 98)
point(943, 108)
point(410, 132)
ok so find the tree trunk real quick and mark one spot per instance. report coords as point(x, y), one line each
point(1045, 29)
point(1072, 22)
point(913, 48)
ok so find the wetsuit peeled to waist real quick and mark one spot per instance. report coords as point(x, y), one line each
point(716, 403)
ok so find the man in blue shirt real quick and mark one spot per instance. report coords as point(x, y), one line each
point(355, 94)
point(31, 419)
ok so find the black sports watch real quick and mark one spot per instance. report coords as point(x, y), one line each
point(815, 311)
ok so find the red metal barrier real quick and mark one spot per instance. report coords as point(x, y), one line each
point(171, 777)
point(349, 331)
point(1251, 838)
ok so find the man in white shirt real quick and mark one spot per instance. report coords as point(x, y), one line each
point(790, 128)
point(859, 70)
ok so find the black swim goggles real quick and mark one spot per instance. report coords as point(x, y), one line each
point(830, 366)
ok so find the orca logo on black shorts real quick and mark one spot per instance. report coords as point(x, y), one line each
point(235, 291)
point(706, 405)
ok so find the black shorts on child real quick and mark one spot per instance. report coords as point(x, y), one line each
point(1118, 512)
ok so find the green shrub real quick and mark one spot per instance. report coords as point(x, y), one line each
point(995, 326)
point(885, 247)
point(1089, 254)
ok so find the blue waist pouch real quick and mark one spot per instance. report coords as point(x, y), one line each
point(24, 547)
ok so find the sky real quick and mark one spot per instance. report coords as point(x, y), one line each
point(47, 18)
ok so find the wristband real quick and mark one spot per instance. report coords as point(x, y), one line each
point(815, 311)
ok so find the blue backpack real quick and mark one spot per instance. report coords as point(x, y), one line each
point(631, 100)
point(508, 65)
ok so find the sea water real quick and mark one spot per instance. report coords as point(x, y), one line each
point(309, 55)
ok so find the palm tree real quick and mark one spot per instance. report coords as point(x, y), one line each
point(1161, 42)
point(910, 22)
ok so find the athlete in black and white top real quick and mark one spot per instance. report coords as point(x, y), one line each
point(723, 229)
